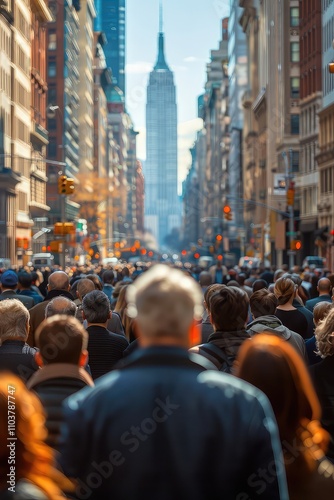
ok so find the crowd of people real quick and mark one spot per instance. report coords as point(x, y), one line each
point(165, 382)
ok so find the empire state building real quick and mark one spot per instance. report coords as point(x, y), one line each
point(162, 207)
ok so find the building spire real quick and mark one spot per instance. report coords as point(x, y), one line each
point(161, 62)
point(160, 18)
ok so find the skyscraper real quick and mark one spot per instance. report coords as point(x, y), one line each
point(111, 19)
point(162, 208)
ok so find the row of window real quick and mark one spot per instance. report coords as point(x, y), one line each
point(37, 189)
point(308, 120)
point(22, 59)
point(326, 180)
point(5, 40)
point(327, 82)
point(22, 24)
point(309, 200)
point(327, 34)
point(5, 81)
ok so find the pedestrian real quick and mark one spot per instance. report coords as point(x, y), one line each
point(16, 355)
point(62, 343)
point(229, 313)
point(323, 374)
point(163, 427)
point(275, 367)
point(8, 285)
point(285, 292)
point(105, 348)
point(27, 468)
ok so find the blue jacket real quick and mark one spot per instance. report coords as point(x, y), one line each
point(163, 428)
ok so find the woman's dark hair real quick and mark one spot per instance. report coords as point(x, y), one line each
point(229, 309)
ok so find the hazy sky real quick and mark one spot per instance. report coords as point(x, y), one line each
point(192, 29)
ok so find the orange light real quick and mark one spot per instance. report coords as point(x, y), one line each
point(143, 251)
point(298, 245)
point(219, 257)
point(117, 244)
point(219, 237)
point(150, 253)
point(227, 209)
point(184, 252)
point(133, 249)
point(44, 249)
point(196, 255)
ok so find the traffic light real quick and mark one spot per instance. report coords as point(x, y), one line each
point(331, 67)
point(290, 196)
point(62, 182)
point(69, 186)
point(295, 245)
point(227, 212)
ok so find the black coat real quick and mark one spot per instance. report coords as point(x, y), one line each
point(323, 378)
point(105, 349)
point(53, 384)
point(163, 428)
point(18, 357)
point(11, 294)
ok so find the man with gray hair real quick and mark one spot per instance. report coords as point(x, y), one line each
point(60, 305)
point(15, 354)
point(105, 348)
point(161, 426)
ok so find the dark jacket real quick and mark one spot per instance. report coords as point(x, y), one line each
point(323, 377)
point(53, 384)
point(272, 325)
point(33, 294)
point(230, 342)
point(18, 357)
point(161, 428)
point(309, 304)
point(105, 349)
point(11, 294)
point(308, 315)
point(37, 313)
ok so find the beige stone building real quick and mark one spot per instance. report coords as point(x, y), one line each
point(18, 128)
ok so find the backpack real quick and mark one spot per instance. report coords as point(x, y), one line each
point(217, 356)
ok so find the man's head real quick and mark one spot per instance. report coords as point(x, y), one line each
point(205, 279)
point(14, 320)
point(324, 286)
point(108, 277)
point(25, 281)
point(209, 292)
point(58, 281)
point(60, 305)
point(84, 286)
point(165, 304)
point(61, 339)
point(259, 284)
point(262, 303)
point(229, 309)
point(96, 307)
point(9, 280)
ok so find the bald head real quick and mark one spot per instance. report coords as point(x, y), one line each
point(84, 286)
point(59, 281)
point(324, 286)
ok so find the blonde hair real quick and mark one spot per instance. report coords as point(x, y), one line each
point(284, 289)
point(34, 459)
point(14, 320)
point(320, 311)
point(164, 302)
point(324, 334)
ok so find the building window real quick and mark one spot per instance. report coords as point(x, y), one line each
point(295, 160)
point(294, 16)
point(294, 87)
point(52, 40)
point(294, 51)
point(294, 124)
point(52, 70)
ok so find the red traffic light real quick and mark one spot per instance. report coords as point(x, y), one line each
point(227, 209)
point(196, 255)
point(184, 252)
point(219, 237)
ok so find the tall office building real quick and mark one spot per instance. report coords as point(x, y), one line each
point(162, 207)
point(111, 20)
